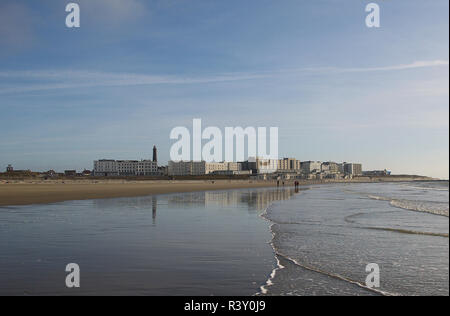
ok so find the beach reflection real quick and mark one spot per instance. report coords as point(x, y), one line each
point(255, 200)
point(198, 243)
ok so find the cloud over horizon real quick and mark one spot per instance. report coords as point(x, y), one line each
point(67, 79)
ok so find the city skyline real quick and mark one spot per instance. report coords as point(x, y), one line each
point(336, 89)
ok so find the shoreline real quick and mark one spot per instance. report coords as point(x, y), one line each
point(26, 192)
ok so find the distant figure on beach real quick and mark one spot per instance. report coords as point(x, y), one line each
point(278, 183)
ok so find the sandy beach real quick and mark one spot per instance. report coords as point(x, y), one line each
point(39, 192)
point(24, 192)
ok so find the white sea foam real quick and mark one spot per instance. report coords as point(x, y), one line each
point(435, 208)
point(269, 282)
point(420, 206)
point(303, 227)
point(264, 288)
point(337, 276)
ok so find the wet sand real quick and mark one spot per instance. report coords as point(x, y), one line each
point(24, 192)
point(39, 192)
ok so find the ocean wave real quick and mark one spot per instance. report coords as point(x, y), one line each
point(426, 188)
point(408, 231)
point(435, 208)
point(351, 220)
point(379, 198)
point(419, 206)
point(264, 289)
point(334, 275)
point(269, 282)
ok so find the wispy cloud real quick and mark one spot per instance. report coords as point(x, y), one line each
point(413, 65)
point(29, 81)
point(86, 79)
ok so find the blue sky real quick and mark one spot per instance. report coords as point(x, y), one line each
point(135, 69)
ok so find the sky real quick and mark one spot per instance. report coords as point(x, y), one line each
point(336, 89)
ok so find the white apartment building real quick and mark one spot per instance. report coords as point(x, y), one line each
point(198, 168)
point(127, 167)
point(262, 165)
point(147, 167)
point(107, 167)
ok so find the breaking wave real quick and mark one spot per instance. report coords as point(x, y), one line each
point(435, 208)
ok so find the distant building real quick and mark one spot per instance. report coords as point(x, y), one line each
point(51, 173)
point(180, 168)
point(70, 173)
point(234, 166)
point(105, 168)
point(334, 176)
point(146, 168)
point(262, 165)
point(377, 173)
point(9, 168)
point(330, 167)
point(231, 172)
point(354, 169)
point(198, 168)
point(308, 167)
point(289, 164)
point(86, 173)
point(162, 170)
point(111, 168)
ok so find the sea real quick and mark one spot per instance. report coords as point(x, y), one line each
point(319, 240)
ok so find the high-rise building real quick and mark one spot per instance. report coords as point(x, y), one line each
point(354, 169)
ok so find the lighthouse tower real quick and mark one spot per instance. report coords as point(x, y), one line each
point(155, 154)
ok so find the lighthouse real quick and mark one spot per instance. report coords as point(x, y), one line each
point(155, 154)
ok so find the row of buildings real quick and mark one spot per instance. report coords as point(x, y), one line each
point(285, 168)
point(288, 167)
point(112, 168)
point(199, 168)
